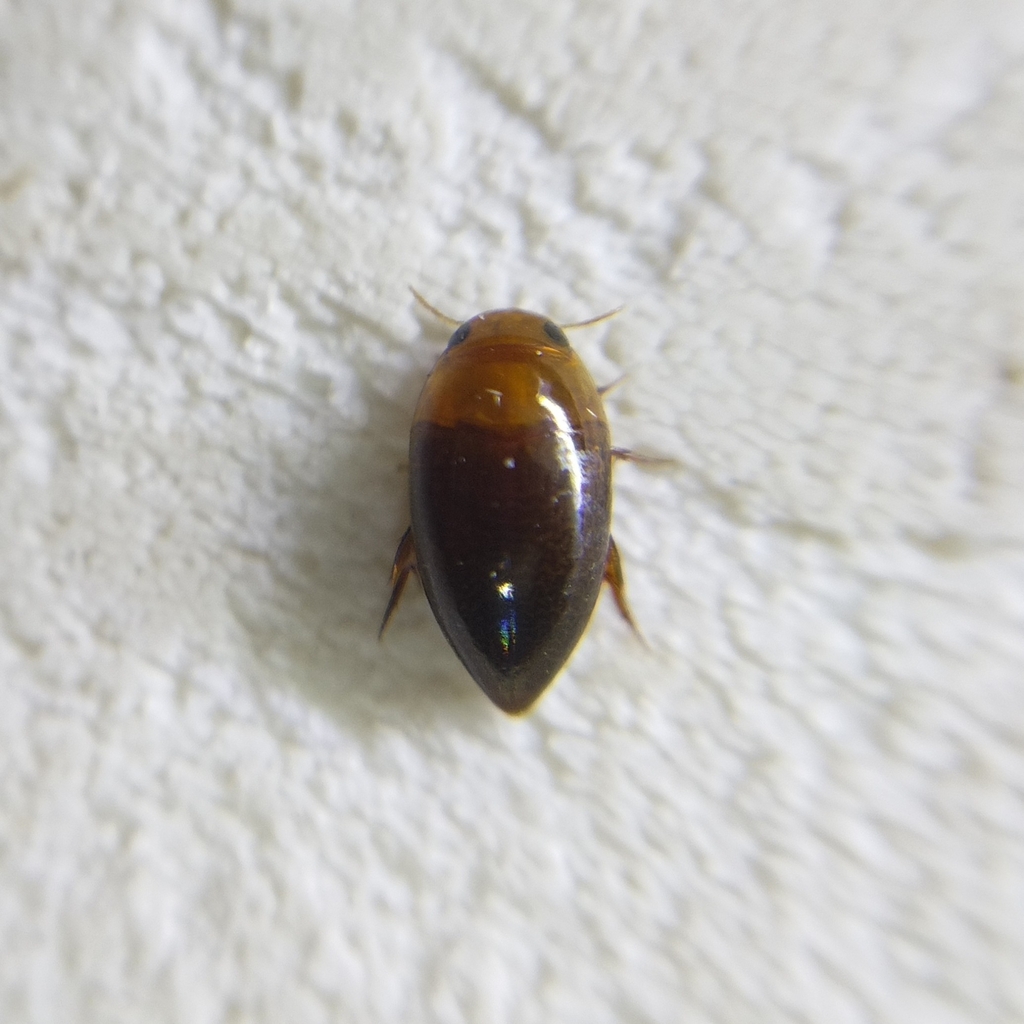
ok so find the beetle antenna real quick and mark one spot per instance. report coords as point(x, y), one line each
point(433, 309)
point(594, 319)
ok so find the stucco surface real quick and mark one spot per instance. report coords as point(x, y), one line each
point(221, 799)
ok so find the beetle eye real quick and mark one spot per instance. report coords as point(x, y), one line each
point(556, 334)
point(460, 335)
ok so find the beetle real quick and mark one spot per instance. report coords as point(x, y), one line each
point(510, 464)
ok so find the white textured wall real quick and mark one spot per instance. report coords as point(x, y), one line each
point(221, 800)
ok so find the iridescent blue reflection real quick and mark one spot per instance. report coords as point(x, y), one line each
point(507, 619)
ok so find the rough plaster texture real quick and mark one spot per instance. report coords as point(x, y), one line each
point(220, 799)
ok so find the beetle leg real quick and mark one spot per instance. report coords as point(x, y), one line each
point(405, 563)
point(614, 578)
point(628, 455)
point(605, 388)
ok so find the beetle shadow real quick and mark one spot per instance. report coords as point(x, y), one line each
point(313, 627)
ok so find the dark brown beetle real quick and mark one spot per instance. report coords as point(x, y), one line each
point(510, 494)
